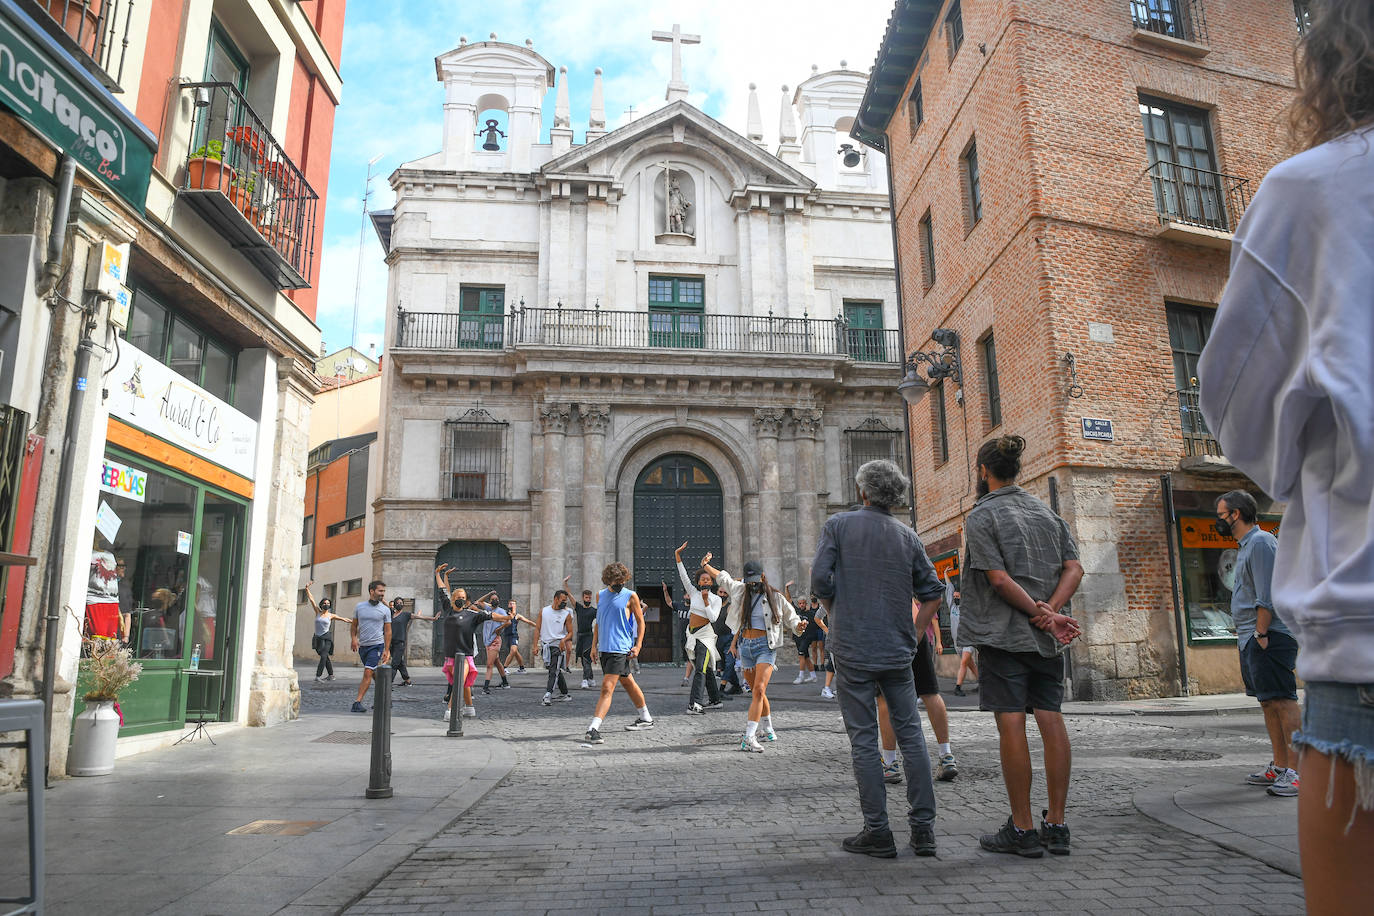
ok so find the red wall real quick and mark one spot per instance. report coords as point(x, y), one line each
point(159, 62)
point(332, 480)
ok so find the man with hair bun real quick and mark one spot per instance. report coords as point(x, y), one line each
point(870, 571)
point(1020, 570)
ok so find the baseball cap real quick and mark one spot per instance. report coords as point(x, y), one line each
point(753, 572)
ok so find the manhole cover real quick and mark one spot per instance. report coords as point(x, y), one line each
point(345, 738)
point(277, 828)
point(1171, 754)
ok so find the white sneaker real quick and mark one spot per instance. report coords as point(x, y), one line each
point(827, 693)
point(586, 684)
point(548, 699)
point(801, 678)
point(564, 698)
point(750, 744)
point(639, 725)
point(810, 677)
point(770, 735)
point(470, 712)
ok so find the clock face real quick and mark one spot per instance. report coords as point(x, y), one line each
point(1226, 569)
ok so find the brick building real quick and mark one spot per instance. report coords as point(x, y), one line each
point(161, 171)
point(1065, 181)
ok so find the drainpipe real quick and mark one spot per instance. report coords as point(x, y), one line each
point(1166, 491)
point(52, 270)
point(901, 325)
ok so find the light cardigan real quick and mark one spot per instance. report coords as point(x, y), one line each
point(786, 615)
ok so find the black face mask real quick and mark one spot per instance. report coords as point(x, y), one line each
point(1222, 527)
point(982, 488)
point(617, 588)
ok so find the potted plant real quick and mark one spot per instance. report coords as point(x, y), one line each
point(109, 669)
point(206, 168)
point(83, 19)
point(241, 188)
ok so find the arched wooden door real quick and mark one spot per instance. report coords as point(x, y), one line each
point(677, 498)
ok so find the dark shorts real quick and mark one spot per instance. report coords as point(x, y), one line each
point(923, 669)
point(616, 663)
point(1019, 681)
point(809, 638)
point(1268, 673)
point(371, 655)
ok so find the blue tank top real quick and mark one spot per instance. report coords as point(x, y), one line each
point(615, 627)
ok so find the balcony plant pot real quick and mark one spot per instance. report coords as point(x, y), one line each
point(208, 173)
point(94, 735)
point(79, 19)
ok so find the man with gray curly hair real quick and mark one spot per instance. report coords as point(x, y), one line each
point(870, 572)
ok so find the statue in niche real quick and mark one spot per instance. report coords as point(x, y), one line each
point(673, 199)
point(677, 208)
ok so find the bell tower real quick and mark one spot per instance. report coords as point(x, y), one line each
point(493, 95)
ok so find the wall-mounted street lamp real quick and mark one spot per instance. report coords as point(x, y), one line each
point(940, 364)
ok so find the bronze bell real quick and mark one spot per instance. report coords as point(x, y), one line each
point(491, 131)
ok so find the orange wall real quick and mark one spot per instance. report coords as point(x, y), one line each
point(159, 62)
point(332, 480)
point(309, 139)
point(328, 19)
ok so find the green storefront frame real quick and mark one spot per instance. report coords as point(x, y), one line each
point(1208, 613)
point(165, 697)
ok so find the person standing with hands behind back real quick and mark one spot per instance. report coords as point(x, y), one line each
point(1020, 570)
point(1286, 385)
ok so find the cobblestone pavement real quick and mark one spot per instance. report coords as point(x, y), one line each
point(675, 820)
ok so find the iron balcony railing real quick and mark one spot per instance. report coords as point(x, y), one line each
point(1181, 19)
point(1198, 440)
point(233, 155)
point(95, 32)
point(1197, 197)
point(673, 329)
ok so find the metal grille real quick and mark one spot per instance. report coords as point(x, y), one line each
point(345, 738)
point(871, 440)
point(94, 31)
point(1171, 754)
point(12, 441)
point(473, 463)
point(1182, 19)
point(277, 828)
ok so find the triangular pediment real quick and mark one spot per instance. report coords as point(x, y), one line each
point(698, 130)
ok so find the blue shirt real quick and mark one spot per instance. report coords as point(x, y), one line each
point(1254, 579)
point(372, 619)
point(615, 625)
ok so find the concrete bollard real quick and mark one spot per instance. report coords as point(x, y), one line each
point(379, 775)
point(455, 708)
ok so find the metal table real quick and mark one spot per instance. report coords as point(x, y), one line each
point(27, 716)
point(200, 728)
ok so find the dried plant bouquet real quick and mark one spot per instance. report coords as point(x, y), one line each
point(111, 668)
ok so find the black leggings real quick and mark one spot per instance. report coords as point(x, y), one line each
point(556, 671)
point(324, 645)
point(584, 654)
point(398, 662)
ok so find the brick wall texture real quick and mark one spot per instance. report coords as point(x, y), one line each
point(1070, 235)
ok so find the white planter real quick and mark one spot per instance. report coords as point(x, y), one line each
point(93, 740)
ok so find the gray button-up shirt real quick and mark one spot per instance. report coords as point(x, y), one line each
point(1254, 578)
point(1011, 530)
point(870, 566)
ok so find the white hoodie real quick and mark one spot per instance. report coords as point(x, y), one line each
point(1287, 385)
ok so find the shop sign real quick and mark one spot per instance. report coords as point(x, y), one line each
point(1199, 533)
point(122, 480)
point(947, 567)
point(148, 395)
point(36, 84)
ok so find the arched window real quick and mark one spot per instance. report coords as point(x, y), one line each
point(493, 124)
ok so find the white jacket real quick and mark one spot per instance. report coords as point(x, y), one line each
point(786, 615)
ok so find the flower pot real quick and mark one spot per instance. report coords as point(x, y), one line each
point(94, 734)
point(83, 19)
point(202, 173)
point(242, 198)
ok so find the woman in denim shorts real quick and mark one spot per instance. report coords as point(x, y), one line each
point(1287, 385)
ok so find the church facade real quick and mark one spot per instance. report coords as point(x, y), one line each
point(599, 351)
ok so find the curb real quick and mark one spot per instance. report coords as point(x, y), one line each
point(1159, 804)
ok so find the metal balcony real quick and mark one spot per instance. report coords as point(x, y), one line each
point(670, 329)
point(1183, 20)
point(1201, 450)
point(239, 178)
point(95, 32)
point(1198, 205)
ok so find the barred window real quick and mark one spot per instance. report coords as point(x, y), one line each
point(871, 440)
point(474, 457)
point(939, 423)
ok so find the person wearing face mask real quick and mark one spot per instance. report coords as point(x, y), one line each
point(1268, 651)
point(700, 642)
point(323, 640)
point(370, 632)
point(585, 610)
point(617, 636)
point(759, 616)
point(555, 641)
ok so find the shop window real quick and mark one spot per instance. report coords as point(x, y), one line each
point(1208, 563)
point(181, 345)
point(947, 568)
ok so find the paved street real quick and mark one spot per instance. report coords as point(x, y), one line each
point(675, 820)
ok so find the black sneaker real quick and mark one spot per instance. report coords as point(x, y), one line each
point(923, 841)
point(505, 685)
point(486, 689)
point(874, 843)
point(1053, 837)
point(716, 705)
point(959, 690)
point(594, 737)
point(1009, 839)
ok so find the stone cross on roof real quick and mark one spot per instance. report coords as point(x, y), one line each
point(677, 88)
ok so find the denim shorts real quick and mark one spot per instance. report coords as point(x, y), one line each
point(371, 655)
point(754, 651)
point(1338, 721)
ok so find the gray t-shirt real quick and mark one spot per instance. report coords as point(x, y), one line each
point(1254, 582)
point(1011, 530)
point(372, 617)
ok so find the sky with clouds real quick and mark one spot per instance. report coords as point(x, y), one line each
point(392, 102)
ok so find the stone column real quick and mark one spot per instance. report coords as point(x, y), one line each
point(595, 419)
point(807, 424)
point(273, 694)
point(767, 425)
point(554, 420)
